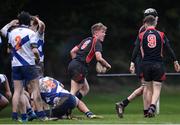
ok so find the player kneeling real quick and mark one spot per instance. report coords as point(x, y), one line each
point(54, 94)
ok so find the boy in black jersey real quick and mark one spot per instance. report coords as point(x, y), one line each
point(82, 55)
point(121, 105)
point(151, 42)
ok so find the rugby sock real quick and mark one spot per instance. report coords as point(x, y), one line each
point(14, 115)
point(79, 95)
point(47, 112)
point(145, 112)
point(29, 111)
point(89, 113)
point(24, 117)
point(125, 102)
point(41, 114)
point(152, 107)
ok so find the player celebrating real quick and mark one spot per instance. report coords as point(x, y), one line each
point(82, 55)
point(54, 94)
point(139, 91)
point(151, 42)
point(3, 100)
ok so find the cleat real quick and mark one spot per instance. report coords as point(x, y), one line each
point(95, 116)
point(45, 118)
point(120, 109)
point(32, 117)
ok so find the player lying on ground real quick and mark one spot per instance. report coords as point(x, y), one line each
point(3, 100)
point(54, 94)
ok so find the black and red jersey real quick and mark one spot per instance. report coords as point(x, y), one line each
point(151, 42)
point(87, 49)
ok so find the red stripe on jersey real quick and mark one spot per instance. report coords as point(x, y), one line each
point(92, 51)
point(141, 45)
point(162, 40)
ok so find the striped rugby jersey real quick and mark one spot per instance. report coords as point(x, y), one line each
point(21, 39)
point(40, 43)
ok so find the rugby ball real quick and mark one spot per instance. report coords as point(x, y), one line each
point(100, 68)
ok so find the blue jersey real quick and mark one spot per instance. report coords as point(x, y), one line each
point(51, 90)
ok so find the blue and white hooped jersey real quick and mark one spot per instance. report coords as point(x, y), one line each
point(50, 88)
point(2, 78)
point(40, 43)
point(21, 39)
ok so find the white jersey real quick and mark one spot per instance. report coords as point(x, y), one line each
point(21, 39)
point(50, 88)
point(40, 43)
point(2, 78)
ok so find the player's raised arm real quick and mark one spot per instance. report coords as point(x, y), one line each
point(5, 29)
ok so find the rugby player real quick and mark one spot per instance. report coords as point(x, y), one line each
point(120, 106)
point(152, 42)
point(4, 100)
point(82, 55)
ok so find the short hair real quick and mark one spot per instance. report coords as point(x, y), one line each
point(98, 26)
point(150, 20)
point(24, 18)
point(150, 11)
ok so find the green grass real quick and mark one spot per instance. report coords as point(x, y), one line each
point(104, 104)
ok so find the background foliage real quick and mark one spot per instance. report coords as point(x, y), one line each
point(69, 21)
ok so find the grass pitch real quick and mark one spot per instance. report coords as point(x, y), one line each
point(104, 104)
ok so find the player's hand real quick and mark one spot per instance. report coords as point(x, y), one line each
point(132, 68)
point(14, 23)
point(176, 66)
point(8, 94)
point(108, 67)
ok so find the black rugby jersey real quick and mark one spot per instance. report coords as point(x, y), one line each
point(151, 42)
point(87, 49)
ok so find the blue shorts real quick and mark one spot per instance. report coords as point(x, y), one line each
point(25, 72)
point(64, 108)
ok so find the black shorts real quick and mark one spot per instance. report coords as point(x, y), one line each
point(77, 71)
point(153, 71)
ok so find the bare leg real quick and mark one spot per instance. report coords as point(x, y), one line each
point(85, 88)
point(36, 94)
point(147, 95)
point(3, 102)
point(156, 92)
point(18, 88)
point(75, 87)
point(137, 92)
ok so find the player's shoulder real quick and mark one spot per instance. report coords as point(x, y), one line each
point(142, 29)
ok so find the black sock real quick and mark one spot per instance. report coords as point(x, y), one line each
point(125, 102)
point(79, 95)
point(145, 111)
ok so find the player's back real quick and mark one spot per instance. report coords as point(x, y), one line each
point(151, 42)
point(50, 88)
point(21, 38)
